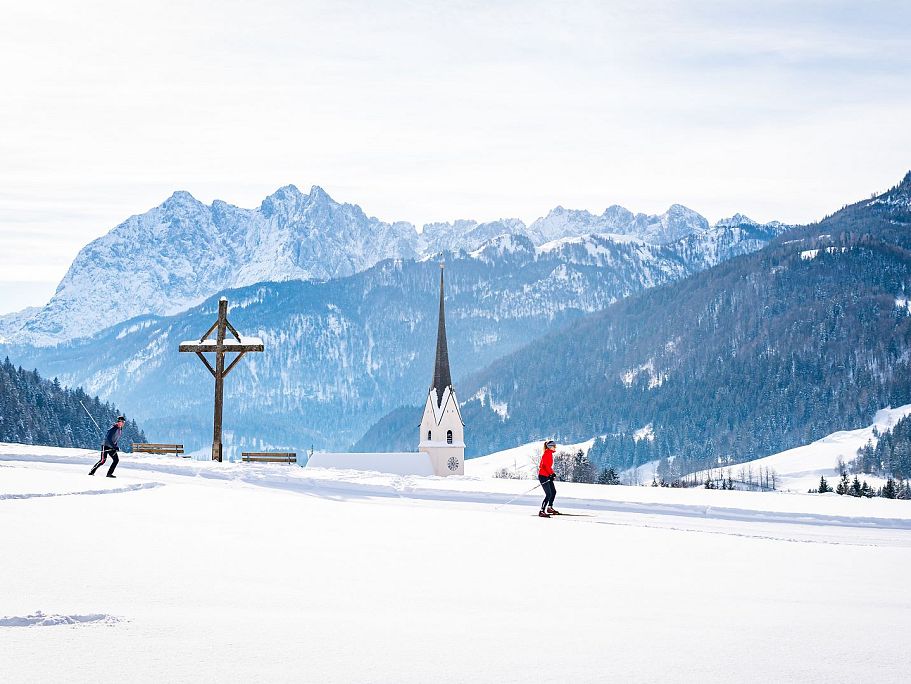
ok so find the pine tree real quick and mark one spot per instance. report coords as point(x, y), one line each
point(823, 485)
point(889, 489)
point(844, 487)
point(608, 476)
point(904, 490)
point(582, 469)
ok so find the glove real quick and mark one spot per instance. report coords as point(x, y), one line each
point(553, 477)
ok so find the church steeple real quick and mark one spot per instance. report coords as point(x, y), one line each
point(441, 377)
point(442, 432)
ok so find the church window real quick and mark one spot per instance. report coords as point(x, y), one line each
point(428, 435)
point(449, 436)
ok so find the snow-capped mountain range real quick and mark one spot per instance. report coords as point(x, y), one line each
point(675, 223)
point(181, 252)
point(342, 352)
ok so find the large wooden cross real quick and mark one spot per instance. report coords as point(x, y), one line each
point(221, 346)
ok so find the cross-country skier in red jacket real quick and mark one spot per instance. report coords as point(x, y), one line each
point(546, 477)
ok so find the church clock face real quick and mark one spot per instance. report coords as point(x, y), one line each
point(453, 463)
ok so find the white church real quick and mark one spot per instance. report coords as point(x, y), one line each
point(441, 436)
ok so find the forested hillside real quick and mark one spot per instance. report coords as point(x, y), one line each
point(759, 354)
point(38, 411)
point(891, 456)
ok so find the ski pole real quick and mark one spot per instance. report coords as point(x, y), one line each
point(90, 416)
point(100, 431)
point(517, 496)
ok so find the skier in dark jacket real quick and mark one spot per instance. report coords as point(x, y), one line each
point(546, 477)
point(110, 447)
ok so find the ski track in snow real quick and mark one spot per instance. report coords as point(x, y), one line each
point(746, 535)
point(89, 492)
point(39, 619)
point(809, 528)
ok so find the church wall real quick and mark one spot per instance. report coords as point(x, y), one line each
point(440, 455)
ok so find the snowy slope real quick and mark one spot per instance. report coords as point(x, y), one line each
point(190, 572)
point(12, 323)
point(644, 474)
point(521, 460)
point(799, 469)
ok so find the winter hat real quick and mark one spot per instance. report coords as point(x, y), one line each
point(550, 444)
point(121, 418)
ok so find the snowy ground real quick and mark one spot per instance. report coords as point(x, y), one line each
point(799, 469)
point(204, 572)
point(521, 460)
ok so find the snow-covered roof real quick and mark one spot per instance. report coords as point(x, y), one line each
point(397, 463)
point(230, 344)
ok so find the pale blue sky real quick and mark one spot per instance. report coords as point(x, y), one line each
point(424, 111)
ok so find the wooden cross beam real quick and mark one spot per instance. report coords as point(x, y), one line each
point(220, 346)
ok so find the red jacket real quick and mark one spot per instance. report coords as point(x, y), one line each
point(547, 463)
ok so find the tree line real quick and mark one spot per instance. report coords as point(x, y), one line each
point(891, 454)
point(38, 411)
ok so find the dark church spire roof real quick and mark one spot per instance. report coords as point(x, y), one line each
point(441, 377)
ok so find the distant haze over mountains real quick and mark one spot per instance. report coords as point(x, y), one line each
point(181, 252)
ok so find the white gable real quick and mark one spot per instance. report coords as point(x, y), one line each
point(440, 410)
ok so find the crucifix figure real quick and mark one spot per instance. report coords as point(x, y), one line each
point(221, 346)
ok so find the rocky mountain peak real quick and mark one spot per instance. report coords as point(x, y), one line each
point(317, 194)
point(181, 200)
point(283, 201)
point(736, 220)
point(617, 215)
point(178, 253)
point(680, 212)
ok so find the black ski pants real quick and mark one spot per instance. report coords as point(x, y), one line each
point(550, 490)
point(105, 452)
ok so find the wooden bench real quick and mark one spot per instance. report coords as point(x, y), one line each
point(176, 449)
point(268, 457)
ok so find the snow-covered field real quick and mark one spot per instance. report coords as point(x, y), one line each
point(521, 460)
point(799, 469)
point(796, 470)
point(205, 572)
